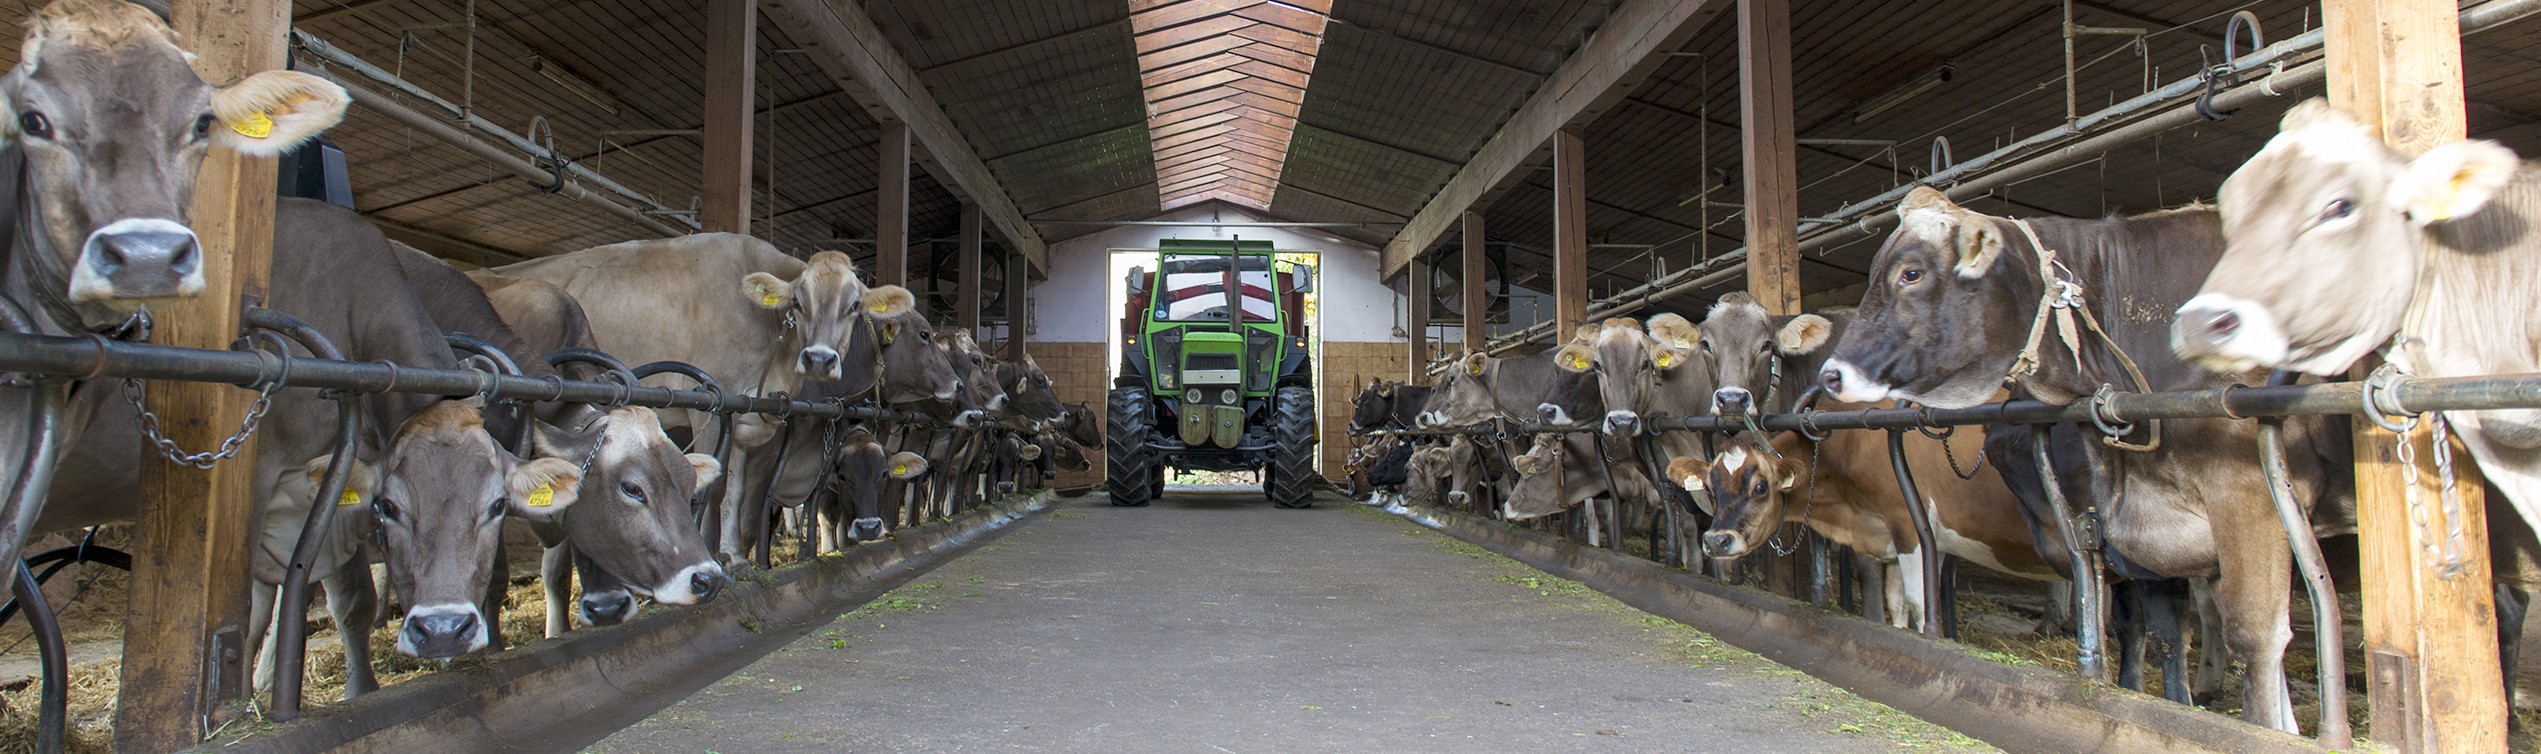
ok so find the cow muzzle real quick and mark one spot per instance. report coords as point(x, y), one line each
point(1724, 544)
point(865, 529)
point(1847, 383)
point(607, 608)
point(441, 631)
point(692, 585)
point(1623, 423)
point(1554, 414)
point(138, 258)
point(821, 362)
point(2227, 334)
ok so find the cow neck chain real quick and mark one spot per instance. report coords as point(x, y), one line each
point(2061, 299)
point(1808, 504)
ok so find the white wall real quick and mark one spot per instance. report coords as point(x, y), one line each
point(1075, 304)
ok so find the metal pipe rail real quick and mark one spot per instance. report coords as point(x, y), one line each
point(89, 357)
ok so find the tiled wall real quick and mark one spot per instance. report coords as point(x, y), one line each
point(1077, 372)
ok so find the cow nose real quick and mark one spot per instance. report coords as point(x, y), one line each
point(141, 259)
point(442, 634)
point(607, 608)
point(1731, 400)
point(1720, 544)
point(1623, 423)
point(820, 361)
point(1832, 380)
point(2222, 325)
point(706, 583)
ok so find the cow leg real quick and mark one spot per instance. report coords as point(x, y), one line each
point(1910, 577)
point(2164, 601)
point(2126, 628)
point(2213, 662)
point(732, 545)
point(2512, 601)
point(260, 630)
point(1895, 596)
point(2058, 618)
point(1948, 610)
point(555, 575)
point(2251, 595)
point(350, 599)
point(1870, 573)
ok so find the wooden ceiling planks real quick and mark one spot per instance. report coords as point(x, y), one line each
point(1239, 68)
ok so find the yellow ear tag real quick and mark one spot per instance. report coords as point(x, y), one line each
point(879, 306)
point(1578, 363)
point(1475, 370)
point(254, 126)
point(349, 499)
point(542, 497)
point(1666, 359)
point(900, 469)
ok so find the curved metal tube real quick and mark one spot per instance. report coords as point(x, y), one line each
point(53, 706)
point(723, 439)
point(291, 632)
point(2328, 625)
point(1926, 548)
point(2089, 578)
point(502, 363)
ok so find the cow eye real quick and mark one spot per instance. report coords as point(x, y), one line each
point(2338, 208)
point(1910, 277)
point(632, 492)
point(387, 508)
point(203, 126)
point(35, 124)
point(1757, 489)
point(495, 509)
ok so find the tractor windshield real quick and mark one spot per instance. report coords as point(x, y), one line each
point(1194, 288)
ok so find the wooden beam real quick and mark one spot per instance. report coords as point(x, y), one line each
point(1627, 48)
point(891, 210)
point(1418, 291)
point(844, 42)
point(1477, 307)
point(2430, 638)
point(966, 295)
point(1570, 234)
point(185, 650)
point(1772, 173)
point(732, 82)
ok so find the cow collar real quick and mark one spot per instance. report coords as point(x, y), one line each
point(2061, 299)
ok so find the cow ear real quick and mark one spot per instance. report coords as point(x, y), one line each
point(767, 290)
point(360, 485)
point(1790, 479)
point(1384, 388)
point(1688, 472)
point(1666, 358)
point(269, 113)
point(1924, 198)
point(1675, 331)
point(1803, 335)
point(1575, 358)
point(889, 301)
point(542, 488)
point(1475, 362)
point(708, 469)
point(2454, 180)
point(905, 465)
point(551, 441)
point(1978, 246)
point(1029, 452)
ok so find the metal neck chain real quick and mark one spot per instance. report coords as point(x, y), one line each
point(2448, 552)
point(1953, 457)
point(1808, 504)
point(229, 447)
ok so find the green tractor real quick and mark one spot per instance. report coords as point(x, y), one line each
point(1214, 372)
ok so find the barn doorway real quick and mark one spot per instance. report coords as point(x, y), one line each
point(1125, 260)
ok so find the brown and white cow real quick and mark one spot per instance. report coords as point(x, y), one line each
point(1953, 295)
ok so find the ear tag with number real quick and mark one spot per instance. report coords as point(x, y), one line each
point(349, 499)
point(542, 497)
point(255, 126)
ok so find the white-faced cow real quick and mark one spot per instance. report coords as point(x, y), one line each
point(1953, 295)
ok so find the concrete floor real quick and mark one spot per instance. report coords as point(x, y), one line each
point(1214, 622)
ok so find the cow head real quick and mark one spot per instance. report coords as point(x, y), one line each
point(1609, 367)
point(2325, 234)
point(1029, 396)
point(1748, 484)
point(824, 303)
point(1372, 405)
point(980, 395)
point(1944, 316)
point(112, 123)
point(1540, 490)
point(1064, 453)
point(1079, 423)
point(863, 466)
point(1746, 345)
point(1425, 476)
point(632, 516)
point(1463, 394)
point(915, 367)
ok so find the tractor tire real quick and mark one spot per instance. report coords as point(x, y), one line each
point(1129, 469)
point(1292, 466)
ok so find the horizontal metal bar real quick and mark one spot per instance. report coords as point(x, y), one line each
point(97, 357)
point(1175, 223)
point(2413, 395)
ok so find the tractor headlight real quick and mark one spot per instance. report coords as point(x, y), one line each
point(1191, 397)
point(1165, 380)
point(1227, 396)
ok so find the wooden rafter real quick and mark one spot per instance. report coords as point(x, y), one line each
point(1224, 80)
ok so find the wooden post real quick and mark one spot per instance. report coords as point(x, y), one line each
point(732, 76)
point(1570, 234)
point(185, 628)
point(1418, 289)
point(2430, 640)
point(891, 208)
point(1018, 312)
point(1477, 300)
point(966, 279)
point(1772, 178)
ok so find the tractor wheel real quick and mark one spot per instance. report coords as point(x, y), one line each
point(1292, 465)
point(1128, 467)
